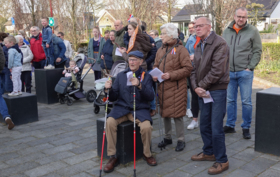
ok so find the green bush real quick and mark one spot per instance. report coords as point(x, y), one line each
point(270, 59)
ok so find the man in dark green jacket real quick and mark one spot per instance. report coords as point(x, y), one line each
point(119, 41)
point(245, 53)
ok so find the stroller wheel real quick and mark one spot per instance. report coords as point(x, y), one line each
point(61, 101)
point(91, 96)
point(69, 102)
point(96, 109)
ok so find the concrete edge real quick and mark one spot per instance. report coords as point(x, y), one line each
point(264, 83)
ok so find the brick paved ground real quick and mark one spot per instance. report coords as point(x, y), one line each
point(63, 143)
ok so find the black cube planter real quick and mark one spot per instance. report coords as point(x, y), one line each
point(125, 151)
point(268, 121)
point(23, 109)
point(46, 80)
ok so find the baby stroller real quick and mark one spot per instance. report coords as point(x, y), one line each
point(65, 87)
point(100, 98)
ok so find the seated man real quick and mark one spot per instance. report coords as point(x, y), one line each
point(123, 108)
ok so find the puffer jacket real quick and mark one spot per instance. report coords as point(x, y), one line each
point(173, 92)
point(27, 58)
point(36, 48)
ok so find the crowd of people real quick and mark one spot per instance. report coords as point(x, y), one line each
point(206, 66)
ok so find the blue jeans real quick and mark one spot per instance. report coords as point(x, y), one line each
point(6, 82)
point(67, 62)
point(211, 125)
point(49, 54)
point(39, 65)
point(3, 106)
point(243, 79)
point(189, 99)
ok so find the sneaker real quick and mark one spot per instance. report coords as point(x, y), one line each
point(228, 129)
point(246, 134)
point(49, 67)
point(19, 93)
point(193, 125)
point(10, 123)
point(13, 94)
point(189, 113)
point(218, 168)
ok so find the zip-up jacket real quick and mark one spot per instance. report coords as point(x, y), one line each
point(211, 68)
point(245, 47)
point(47, 34)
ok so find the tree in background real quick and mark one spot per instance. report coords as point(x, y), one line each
point(254, 13)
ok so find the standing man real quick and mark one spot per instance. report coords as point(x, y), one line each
point(209, 79)
point(245, 53)
point(119, 41)
point(39, 58)
point(155, 36)
point(3, 106)
point(69, 51)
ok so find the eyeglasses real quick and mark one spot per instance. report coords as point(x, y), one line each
point(132, 60)
point(240, 17)
point(200, 26)
point(58, 36)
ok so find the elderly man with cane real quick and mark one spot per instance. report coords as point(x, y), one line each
point(122, 93)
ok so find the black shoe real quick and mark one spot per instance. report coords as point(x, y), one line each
point(246, 134)
point(180, 146)
point(164, 143)
point(229, 129)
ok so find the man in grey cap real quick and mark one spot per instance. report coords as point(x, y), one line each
point(122, 95)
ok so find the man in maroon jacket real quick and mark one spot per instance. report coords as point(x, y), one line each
point(39, 59)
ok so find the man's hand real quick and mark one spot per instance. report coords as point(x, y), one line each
point(11, 70)
point(165, 76)
point(108, 84)
point(201, 92)
point(58, 60)
point(191, 57)
point(134, 81)
point(122, 50)
point(47, 45)
point(247, 69)
point(102, 57)
point(155, 79)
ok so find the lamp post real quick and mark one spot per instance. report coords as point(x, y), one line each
point(51, 14)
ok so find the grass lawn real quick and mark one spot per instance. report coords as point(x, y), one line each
point(269, 70)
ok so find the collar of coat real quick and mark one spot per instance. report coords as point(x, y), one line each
point(172, 43)
point(233, 22)
point(210, 39)
point(137, 73)
point(37, 37)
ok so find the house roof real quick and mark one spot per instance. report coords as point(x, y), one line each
point(104, 12)
point(185, 13)
point(269, 6)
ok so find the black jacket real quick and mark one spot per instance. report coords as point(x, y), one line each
point(107, 52)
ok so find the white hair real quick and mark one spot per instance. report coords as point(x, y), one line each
point(18, 37)
point(36, 27)
point(171, 30)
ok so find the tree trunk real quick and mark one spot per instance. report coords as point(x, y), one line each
point(33, 13)
point(75, 41)
point(218, 19)
point(169, 11)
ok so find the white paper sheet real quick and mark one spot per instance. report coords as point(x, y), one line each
point(118, 53)
point(157, 73)
point(208, 100)
point(129, 75)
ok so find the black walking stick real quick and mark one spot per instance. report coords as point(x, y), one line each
point(105, 119)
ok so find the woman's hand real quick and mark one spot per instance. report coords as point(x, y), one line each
point(102, 57)
point(191, 57)
point(165, 76)
point(155, 79)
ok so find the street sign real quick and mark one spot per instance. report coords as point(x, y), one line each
point(51, 21)
point(13, 21)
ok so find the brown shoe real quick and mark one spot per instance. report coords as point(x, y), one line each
point(150, 160)
point(152, 113)
point(111, 164)
point(218, 168)
point(10, 123)
point(203, 157)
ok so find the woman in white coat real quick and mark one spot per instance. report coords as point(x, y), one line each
point(26, 66)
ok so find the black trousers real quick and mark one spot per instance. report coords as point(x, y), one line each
point(26, 81)
point(194, 104)
point(61, 65)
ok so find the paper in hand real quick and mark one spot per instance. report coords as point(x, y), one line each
point(208, 100)
point(157, 73)
point(129, 76)
point(118, 53)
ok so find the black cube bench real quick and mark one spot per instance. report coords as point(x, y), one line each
point(125, 151)
point(23, 109)
point(45, 81)
point(268, 121)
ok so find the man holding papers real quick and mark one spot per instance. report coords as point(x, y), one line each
point(209, 79)
point(174, 62)
point(122, 94)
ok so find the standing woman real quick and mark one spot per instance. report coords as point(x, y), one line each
point(26, 66)
point(173, 60)
point(106, 55)
point(94, 51)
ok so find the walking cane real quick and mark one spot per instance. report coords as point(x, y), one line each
point(134, 131)
point(105, 119)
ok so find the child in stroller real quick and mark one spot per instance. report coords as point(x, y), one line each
point(71, 71)
point(65, 87)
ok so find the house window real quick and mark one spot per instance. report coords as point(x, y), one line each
point(107, 19)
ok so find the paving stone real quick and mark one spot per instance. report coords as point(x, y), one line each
point(177, 173)
point(196, 167)
point(85, 141)
point(85, 148)
point(276, 166)
point(62, 148)
point(67, 140)
point(241, 145)
point(45, 169)
point(42, 141)
point(18, 169)
point(3, 165)
point(84, 121)
point(26, 158)
point(241, 173)
point(81, 157)
point(83, 174)
point(247, 155)
point(19, 141)
point(35, 149)
point(8, 156)
point(54, 157)
point(258, 165)
point(270, 173)
point(77, 168)
point(271, 157)
point(52, 175)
